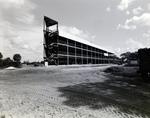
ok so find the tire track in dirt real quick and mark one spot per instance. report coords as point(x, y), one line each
point(53, 101)
point(111, 103)
point(129, 109)
point(82, 95)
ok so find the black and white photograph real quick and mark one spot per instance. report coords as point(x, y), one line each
point(74, 59)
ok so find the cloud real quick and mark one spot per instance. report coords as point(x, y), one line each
point(148, 7)
point(146, 35)
point(12, 3)
point(136, 11)
point(93, 37)
point(127, 45)
point(118, 50)
point(19, 33)
point(76, 32)
point(108, 9)
point(133, 45)
point(126, 26)
point(17, 11)
point(127, 12)
point(124, 4)
point(143, 20)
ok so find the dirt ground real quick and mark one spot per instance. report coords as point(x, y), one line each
point(73, 92)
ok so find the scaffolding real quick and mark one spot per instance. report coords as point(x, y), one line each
point(61, 50)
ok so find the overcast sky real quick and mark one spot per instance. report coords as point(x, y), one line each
point(117, 25)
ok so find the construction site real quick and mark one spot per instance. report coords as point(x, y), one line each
point(86, 84)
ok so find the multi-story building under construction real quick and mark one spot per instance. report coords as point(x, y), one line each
point(64, 49)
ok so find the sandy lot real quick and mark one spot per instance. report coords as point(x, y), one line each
point(73, 92)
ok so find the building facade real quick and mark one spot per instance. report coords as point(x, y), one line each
point(64, 49)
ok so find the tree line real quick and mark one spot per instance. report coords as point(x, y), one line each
point(9, 62)
point(129, 56)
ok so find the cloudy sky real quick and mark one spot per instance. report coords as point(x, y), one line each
point(117, 25)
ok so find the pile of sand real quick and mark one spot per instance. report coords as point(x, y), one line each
point(114, 69)
point(11, 68)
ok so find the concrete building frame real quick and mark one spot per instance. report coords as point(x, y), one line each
point(62, 49)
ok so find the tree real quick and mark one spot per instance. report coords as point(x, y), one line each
point(1, 56)
point(17, 57)
point(125, 56)
point(129, 56)
point(134, 55)
point(7, 62)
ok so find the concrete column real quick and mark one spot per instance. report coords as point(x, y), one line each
point(82, 53)
point(91, 56)
point(57, 50)
point(98, 57)
point(75, 54)
point(67, 53)
point(87, 53)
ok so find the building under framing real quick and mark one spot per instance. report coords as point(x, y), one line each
point(64, 49)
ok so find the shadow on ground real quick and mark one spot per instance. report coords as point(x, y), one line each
point(126, 93)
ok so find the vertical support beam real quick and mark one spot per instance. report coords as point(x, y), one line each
point(82, 53)
point(95, 56)
point(75, 53)
point(102, 57)
point(43, 39)
point(87, 53)
point(43, 25)
point(57, 27)
point(67, 53)
point(91, 56)
point(98, 56)
point(57, 50)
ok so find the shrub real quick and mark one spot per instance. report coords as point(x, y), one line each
point(7, 62)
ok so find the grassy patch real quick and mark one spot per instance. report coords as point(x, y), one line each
point(3, 116)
